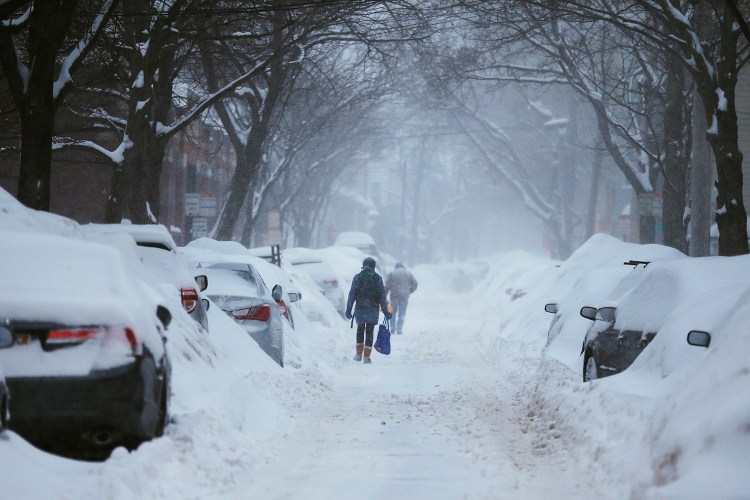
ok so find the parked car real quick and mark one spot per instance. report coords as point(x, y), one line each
point(157, 251)
point(239, 290)
point(87, 367)
point(273, 275)
point(312, 264)
point(362, 241)
point(643, 302)
point(209, 250)
point(6, 340)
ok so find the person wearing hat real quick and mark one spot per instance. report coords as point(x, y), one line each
point(400, 283)
point(368, 292)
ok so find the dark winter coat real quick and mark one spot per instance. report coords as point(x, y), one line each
point(363, 314)
point(401, 283)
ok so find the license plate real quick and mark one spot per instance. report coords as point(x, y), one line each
point(23, 338)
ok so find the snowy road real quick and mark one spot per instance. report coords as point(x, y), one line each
point(436, 419)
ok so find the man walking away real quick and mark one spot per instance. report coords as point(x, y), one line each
point(368, 292)
point(401, 283)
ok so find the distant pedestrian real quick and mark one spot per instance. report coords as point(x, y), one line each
point(368, 292)
point(400, 283)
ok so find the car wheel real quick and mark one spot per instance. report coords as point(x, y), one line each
point(151, 403)
point(3, 414)
point(590, 371)
point(163, 417)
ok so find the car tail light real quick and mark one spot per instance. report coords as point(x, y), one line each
point(257, 313)
point(75, 336)
point(284, 310)
point(190, 299)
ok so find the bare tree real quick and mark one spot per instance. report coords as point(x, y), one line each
point(41, 48)
point(706, 37)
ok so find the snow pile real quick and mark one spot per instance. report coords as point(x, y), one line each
point(229, 402)
point(675, 424)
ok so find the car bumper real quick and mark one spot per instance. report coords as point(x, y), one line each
point(108, 400)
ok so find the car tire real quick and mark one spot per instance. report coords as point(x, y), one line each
point(151, 404)
point(163, 417)
point(590, 370)
point(3, 414)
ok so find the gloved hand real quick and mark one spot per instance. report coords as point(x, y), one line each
point(348, 315)
point(388, 315)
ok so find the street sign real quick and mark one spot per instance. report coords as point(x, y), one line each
point(208, 206)
point(645, 203)
point(657, 206)
point(192, 204)
point(200, 228)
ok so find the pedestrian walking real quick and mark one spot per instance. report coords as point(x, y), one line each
point(368, 292)
point(400, 283)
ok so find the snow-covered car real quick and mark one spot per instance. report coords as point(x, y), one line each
point(157, 250)
point(87, 367)
point(312, 264)
point(205, 250)
point(641, 304)
point(238, 289)
point(359, 240)
point(272, 275)
point(6, 340)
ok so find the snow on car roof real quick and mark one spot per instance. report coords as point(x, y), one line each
point(52, 278)
point(141, 233)
point(301, 255)
point(224, 247)
point(645, 298)
point(14, 216)
point(354, 238)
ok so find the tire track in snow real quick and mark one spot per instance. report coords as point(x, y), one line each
point(436, 419)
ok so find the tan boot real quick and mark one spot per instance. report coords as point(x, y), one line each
point(368, 351)
point(358, 356)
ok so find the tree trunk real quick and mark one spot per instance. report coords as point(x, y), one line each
point(723, 137)
point(248, 160)
point(700, 186)
point(37, 120)
point(596, 172)
point(674, 191)
point(34, 100)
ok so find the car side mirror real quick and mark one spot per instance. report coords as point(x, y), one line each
point(202, 282)
point(277, 293)
point(588, 312)
point(164, 315)
point(698, 338)
point(206, 304)
point(551, 308)
point(6, 338)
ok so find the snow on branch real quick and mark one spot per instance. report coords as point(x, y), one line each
point(81, 49)
point(167, 131)
point(19, 21)
point(116, 156)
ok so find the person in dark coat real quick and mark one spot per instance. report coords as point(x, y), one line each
point(400, 283)
point(368, 292)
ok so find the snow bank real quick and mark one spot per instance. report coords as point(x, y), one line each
point(675, 424)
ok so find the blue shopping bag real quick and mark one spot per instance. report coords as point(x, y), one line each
point(383, 342)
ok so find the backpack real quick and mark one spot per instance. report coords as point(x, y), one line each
point(368, 289)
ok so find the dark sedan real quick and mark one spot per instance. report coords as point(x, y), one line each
point(606, 349)
point(87, 365)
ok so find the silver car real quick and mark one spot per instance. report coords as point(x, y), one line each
point(238, 290)
point(312, 263)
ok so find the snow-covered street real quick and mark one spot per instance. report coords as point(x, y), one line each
point(473, 402)
point(439, 418)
